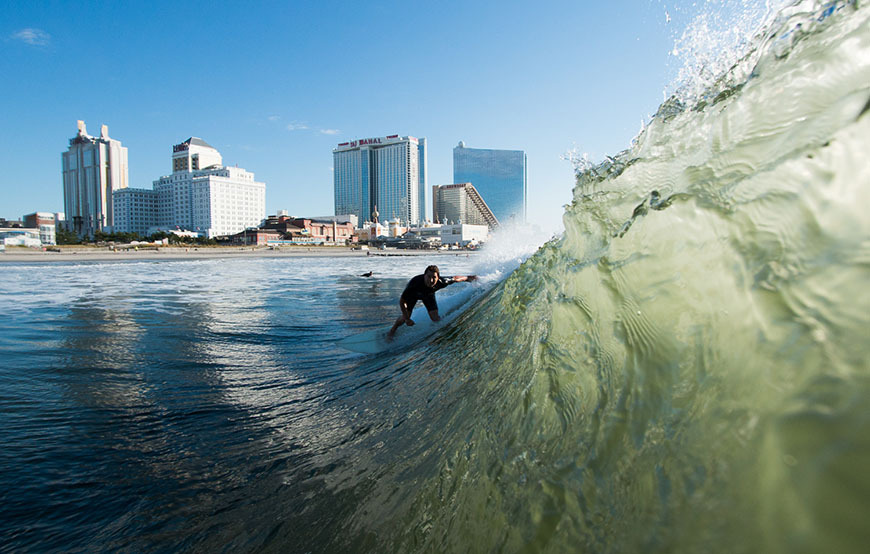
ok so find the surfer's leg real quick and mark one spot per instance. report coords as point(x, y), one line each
point(432, 307)
point(407, 309)
point(404, 318)
point(396, 325)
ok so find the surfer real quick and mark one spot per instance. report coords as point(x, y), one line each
point(423, 287)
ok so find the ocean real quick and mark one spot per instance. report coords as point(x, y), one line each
point(685, 369)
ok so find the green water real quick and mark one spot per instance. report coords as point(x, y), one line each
point(686, 368)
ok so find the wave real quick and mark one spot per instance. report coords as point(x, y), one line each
point(685, 369)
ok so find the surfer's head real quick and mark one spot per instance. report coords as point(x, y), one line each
point(430, 276)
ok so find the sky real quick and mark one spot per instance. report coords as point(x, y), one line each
point(275, 86)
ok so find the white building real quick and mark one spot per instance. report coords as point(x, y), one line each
point(93, 168)
point(135, 210)
point(20, 236)
point(341, 218)
point(373, 231)
point(387, 175)
point(205, 196)
point(463, 234)
point(429, 233)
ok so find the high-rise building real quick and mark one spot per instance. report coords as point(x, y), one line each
point(205, 196)
point(500, 176)
point(93, 168)
point(461, 203)
point(135, 210)
point(387, 175)
point(423, 177)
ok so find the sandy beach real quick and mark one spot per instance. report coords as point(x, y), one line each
point(81, 254)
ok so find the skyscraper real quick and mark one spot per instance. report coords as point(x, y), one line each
point(500, 176)
point(93, 168)
point(386, 173)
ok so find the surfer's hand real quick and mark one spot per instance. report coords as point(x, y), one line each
point(472, 278)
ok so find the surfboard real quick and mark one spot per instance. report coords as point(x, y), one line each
point(449, 308)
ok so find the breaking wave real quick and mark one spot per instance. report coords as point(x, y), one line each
point(686, 368)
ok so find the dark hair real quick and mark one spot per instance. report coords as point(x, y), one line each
point(433, 269)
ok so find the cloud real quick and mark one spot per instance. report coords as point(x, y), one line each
point(274, 117)
point(297, 127)
point(330, 131)
point(34, 37)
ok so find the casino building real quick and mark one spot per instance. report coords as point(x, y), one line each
point(500, 176)
point(200, 195)
point(461, 203)
point(383, 175)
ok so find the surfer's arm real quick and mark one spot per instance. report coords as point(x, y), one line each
point(461, 278)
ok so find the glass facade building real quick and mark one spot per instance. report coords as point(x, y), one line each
point(386, 174)
point(500, 177)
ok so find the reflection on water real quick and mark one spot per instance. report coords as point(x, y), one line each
point(186, 403)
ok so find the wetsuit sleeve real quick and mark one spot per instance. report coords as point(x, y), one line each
point(443, 282)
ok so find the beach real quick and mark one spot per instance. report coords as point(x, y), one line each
point(99, 254)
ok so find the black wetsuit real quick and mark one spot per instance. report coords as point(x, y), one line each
point(417, 290)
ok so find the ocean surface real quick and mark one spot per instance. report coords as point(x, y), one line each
point(685, 369)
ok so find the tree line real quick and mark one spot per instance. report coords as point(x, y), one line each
point(64, 236)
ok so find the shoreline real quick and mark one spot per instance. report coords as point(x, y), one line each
point(206, 253)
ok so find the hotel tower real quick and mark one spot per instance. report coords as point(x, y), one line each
point(205, 196)
point(93, 168)
point(500, 176)
point(386, 175)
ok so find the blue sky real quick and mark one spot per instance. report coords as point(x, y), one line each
point(276, 85)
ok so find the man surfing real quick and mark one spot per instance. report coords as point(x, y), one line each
point(423, 287)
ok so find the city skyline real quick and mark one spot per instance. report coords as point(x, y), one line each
point(276, 96)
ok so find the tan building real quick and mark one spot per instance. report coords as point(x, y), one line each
point(461, 203)
point(93, 168)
